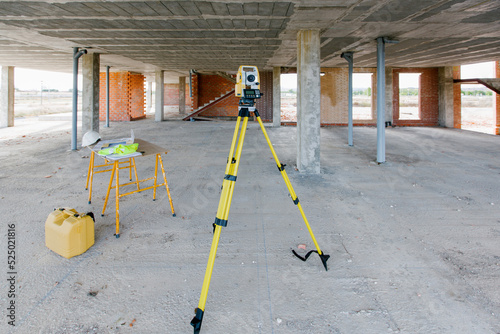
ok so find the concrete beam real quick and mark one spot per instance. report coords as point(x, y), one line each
point(159, 95)
point(182, 95)
point(7, 97)
point(90, 92)
point(276, 97)
point(308, 101)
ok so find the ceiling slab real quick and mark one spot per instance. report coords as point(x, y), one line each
point(177, 36)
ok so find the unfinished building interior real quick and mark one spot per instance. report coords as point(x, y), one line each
point(406, 205)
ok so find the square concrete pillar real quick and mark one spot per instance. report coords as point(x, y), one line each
point(90, 92)
point(308, 101)
point(7, 97)
point(182, 95)
point(159, 95)
point(446, 111)
point(276, 97)
point(497, 100)
point(149, 95)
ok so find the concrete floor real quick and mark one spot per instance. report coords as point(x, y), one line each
point(414, 243)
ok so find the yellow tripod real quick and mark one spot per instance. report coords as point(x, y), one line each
point(245, 108)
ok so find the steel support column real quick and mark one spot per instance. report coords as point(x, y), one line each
point(381, 41)
point(380, 99)
point(76, 55)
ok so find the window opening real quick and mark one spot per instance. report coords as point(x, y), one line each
point(478, 102)
point(362, 99)
point(409, 96)
point(288, 97)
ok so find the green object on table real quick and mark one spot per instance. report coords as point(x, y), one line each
point(120, 149)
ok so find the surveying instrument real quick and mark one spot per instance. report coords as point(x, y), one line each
point(247, 76)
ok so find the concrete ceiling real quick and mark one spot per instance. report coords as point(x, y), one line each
point(218, 35)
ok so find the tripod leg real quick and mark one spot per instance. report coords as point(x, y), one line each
point(295, 199)
point(226, 196)
point(166, 185)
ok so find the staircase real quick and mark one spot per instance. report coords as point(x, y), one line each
point(207, 105)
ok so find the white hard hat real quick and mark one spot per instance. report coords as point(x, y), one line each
point(90, 138)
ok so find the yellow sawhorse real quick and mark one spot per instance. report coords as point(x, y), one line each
point(108, 165)
point(146, 148)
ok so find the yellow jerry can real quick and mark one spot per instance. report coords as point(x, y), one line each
point(69, 233)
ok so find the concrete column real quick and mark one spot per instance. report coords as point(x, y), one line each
point(182, 95)
point(276, 97)
point(7, 97)
point(90, 92)
point(497, 100)
point(389, 95)
point(149, 95)
point(159, 93)
point(446, 96)
point(308, 101)
point(349, 56)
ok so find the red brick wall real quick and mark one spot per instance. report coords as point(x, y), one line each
point(171, 95)
point(225, 108)
point(126, 96)
point(118, 96)
point(428, 97)
point(335, 96)
point(137, 96)
point(265, 104)
point(211, 87)
point(457, 99)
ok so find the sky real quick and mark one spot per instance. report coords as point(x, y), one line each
point(25, 79)
point(481, 70)
point(33, 79)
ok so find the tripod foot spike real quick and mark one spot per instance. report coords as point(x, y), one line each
point(197, 320)
point(322, 256)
